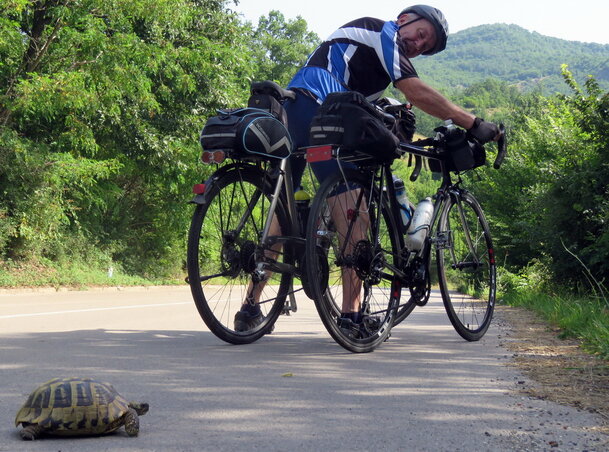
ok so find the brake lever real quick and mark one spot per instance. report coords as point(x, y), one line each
point(417, 168)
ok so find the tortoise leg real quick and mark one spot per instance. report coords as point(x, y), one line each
point(132, 423)
point(31, 432)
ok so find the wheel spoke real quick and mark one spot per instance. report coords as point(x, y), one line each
point(466, 269)
point(354, 239)
point(224, 254)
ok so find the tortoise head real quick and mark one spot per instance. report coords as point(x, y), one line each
point(140, 408)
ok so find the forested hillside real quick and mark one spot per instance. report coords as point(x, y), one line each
point(512, 54)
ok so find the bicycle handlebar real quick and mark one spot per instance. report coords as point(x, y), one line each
point(391, 107)
point(273, 89)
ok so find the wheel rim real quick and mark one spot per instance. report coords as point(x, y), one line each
point(224, 252)
point(468, 280)
point(354, 255)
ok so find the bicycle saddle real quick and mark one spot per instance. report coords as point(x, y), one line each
point(273, 89)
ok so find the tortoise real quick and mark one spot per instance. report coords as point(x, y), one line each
point(77, 406)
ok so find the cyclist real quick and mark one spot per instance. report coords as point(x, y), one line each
point(366, 55)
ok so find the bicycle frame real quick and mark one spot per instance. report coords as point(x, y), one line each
point(447, 189)
point(281, 182)
point(284, 187)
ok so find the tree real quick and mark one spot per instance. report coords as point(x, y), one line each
point(100, 109)
point(550, 202)
point(280, 47)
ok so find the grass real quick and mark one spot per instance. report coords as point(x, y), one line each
point(70, 275)
point(584, 318)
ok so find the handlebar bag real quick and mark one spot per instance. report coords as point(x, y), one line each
point(349, 120)
point(461, 154)
point(404, 118)
point(464, 154)
point(247, 132)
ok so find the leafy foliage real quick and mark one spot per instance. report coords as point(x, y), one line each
point(550, 201)
point(279, 47)
point(101, 104)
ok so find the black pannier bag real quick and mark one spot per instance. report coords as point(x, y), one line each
point(349, 120)
point(462, 154)
point(405, 120)
point(246, 132)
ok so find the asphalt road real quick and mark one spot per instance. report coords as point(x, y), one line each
point(295, 390)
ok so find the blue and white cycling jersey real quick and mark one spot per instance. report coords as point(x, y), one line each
point(365, 55)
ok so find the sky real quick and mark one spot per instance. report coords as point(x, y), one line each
point(583, 20)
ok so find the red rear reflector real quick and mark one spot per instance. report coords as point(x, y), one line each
point(209, 157)
point(198, 189)
point(319, 154)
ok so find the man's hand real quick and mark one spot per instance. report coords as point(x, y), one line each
point(484, 131)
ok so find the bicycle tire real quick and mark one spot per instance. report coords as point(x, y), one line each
point(471, 271)
point(221, 261)
point(324, 239)
point(404, 311)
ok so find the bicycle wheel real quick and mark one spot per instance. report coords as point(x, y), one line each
point(353, 240)
point(404, 311)
point(466, 266)
point(224, 253)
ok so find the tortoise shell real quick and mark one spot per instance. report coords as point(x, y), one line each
point(77, 406)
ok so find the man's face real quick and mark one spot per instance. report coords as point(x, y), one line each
point(419, 36)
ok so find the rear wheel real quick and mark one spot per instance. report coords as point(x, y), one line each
point(407, 306)
point(466, 266)
point(224, 254)
point(404, 311)
point(352, 245)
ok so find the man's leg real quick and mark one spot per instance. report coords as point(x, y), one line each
point(300, 111)
point(250, 315)
point(345, 216)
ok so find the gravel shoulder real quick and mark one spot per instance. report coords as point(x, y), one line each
point(561, 370)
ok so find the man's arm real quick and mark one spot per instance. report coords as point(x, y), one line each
point(423, 96)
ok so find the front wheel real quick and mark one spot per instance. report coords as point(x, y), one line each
point(466, 265)
point(225, 254)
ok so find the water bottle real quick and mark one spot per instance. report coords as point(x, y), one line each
point(400, 195)
point(302, 199)
point(419, 226)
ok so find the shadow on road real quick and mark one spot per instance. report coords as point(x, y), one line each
point(288, 390)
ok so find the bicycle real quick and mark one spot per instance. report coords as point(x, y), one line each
point(356, 234)
point(233, 255)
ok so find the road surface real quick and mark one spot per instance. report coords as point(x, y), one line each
point(295, 390)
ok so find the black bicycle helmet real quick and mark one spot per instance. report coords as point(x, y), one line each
point(437, 19)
